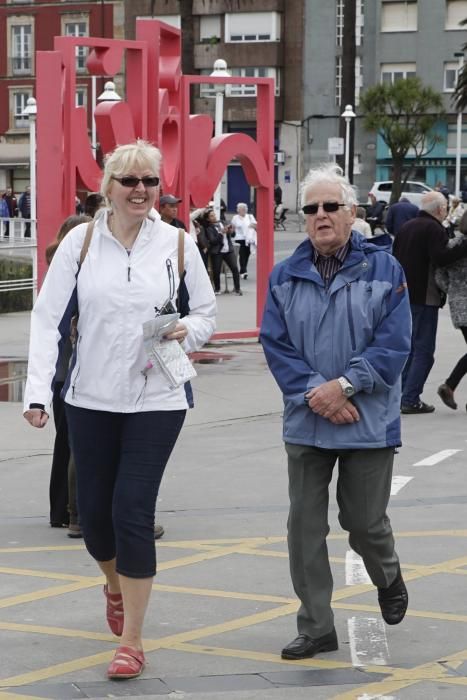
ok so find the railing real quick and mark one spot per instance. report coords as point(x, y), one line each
point(19, 234)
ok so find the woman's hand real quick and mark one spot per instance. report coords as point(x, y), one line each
point(36, 417)
point(179, 333)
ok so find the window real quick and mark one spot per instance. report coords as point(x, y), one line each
point(81, 96)
point(358, 80)
point(21, 61)
point(210, 28)
point(359, 21)
point(390, 72)
point(456, 11)
point(79, 28)
point(451, 69)
point(252, 26)
point(399, 17)
point(237, 90)
point(19, 105)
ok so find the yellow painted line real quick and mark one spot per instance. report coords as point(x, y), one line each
point(260, 656)
point(432, 671)
point(197, 558)
point(425, 614)
point(151, 645)
point(14, 696)
point(58, 548)
point(43, 574)
point(263, 552)
point(215, 593)
point(47, 593)
point(56, 631)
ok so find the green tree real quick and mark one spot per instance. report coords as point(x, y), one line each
point(403, 113)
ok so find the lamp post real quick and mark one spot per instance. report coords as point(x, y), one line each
point(348, 114)
point(220, 71)
point(460, 56)
point(109, 95)
point(30, 111)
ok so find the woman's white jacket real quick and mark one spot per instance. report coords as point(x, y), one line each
point(115, 292)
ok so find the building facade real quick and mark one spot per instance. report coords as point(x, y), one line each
point(394, 40)
point(27, 27)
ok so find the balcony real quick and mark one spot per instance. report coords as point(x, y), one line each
point(239, 55)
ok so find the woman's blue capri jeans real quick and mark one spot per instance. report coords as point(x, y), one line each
point(120, 459)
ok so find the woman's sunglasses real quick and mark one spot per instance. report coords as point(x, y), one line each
point(328, 207)
point(131, 181)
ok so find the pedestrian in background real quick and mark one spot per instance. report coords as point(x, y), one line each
point(452, 279)
point(244, 231)
point(341, 400)
point(421, 247)
point(62, 485)
point(124, 415)
point(360, 223)
point(399, 213)
point(221, 250)
point(168, 209)
point(24, 206)
point(12, 205)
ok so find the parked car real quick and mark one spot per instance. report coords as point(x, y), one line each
point(414, 191)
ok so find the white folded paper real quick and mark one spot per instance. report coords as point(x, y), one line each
point(167, 356)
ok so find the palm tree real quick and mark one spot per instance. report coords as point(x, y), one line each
point(460, 93)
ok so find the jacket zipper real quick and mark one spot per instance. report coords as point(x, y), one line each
point(350, 317)
point(78, 369)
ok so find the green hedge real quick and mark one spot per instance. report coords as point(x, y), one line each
point(20, 300)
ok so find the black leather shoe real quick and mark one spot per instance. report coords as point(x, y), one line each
point(420, 407)
point(302, 647)
point(393, 601)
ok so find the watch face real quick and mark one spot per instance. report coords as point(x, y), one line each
point(349, 391)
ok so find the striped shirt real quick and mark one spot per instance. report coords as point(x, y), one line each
point(329, 265)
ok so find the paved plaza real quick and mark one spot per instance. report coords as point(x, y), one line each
point(223, 605)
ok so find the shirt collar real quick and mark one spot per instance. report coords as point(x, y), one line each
point(340, 254)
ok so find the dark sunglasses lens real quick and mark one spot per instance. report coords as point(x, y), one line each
point(129, 181)
point(150, 181)
point(327, 206)
point(133, 181)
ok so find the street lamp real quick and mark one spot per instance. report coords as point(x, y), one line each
point(220, 71)
point(348, 114)
point(460, 56)
point(30, 112)
point(109, 95)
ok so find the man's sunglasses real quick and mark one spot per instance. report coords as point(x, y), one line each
point(131, 181)
point(328, 207)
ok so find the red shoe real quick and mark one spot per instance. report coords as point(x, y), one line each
point(127, 663)
point(114, 611)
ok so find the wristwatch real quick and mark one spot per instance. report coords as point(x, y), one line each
point(347, 388)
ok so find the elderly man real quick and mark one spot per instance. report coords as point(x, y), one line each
point(421, 247)
point(336, 334)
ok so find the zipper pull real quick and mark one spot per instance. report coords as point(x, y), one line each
point(129, 274)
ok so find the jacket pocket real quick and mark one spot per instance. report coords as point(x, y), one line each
point(77, 369)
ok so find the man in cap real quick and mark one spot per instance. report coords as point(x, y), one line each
point(168, 209)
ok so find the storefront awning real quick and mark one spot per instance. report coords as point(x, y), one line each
point(14, 154)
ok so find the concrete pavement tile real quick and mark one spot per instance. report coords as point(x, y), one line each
point(344, 676)
point(218, 684)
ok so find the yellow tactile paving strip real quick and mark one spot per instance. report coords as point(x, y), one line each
point(208, 550)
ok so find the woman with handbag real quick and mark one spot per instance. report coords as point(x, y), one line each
point(124, 417)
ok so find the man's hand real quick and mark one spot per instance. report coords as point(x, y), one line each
point(36, 417)
point(327, 399)
point(347, 414)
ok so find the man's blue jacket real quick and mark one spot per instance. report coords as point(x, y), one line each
point(359, 327)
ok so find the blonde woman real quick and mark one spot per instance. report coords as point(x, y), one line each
point(123, 420)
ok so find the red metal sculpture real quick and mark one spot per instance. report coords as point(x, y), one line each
point(157, 109)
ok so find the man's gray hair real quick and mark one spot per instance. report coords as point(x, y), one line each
point(332, 174)
point(432, 201)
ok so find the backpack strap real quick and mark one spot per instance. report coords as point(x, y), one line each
point(181, 252)
point(86, 244)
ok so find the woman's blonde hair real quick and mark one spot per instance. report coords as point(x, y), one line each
point(121, 161)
